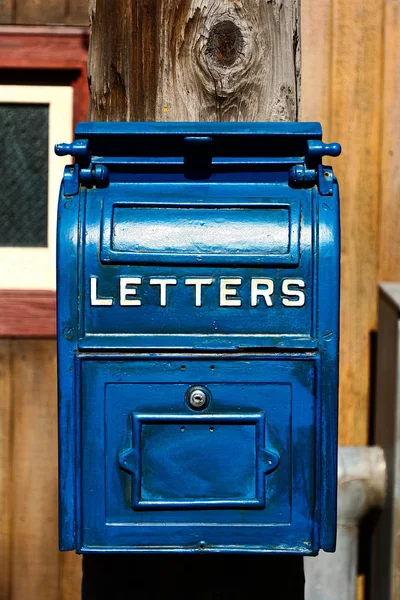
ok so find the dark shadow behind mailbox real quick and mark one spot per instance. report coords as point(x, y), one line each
point(198, 302)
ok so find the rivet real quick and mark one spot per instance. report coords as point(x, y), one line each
point(68, 332)
point(327, 335)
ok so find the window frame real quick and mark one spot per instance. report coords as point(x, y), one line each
point(25, 267)
point(24, 52)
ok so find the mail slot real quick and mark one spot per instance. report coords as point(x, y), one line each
point(198, 303)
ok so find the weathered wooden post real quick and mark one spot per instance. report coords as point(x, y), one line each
point(198, 60)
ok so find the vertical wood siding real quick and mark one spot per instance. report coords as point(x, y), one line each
point(389, 198)
point(5, 467)
point(31, 567)
point(349, 72)
point(351, 83)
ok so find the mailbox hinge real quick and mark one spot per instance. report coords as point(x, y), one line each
point(308, 172)
point(83, 172)
point(312, 171)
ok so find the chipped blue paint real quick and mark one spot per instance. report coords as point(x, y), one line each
point(148, 210)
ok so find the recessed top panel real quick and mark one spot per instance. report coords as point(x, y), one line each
point(201, 233)
point(195, 231)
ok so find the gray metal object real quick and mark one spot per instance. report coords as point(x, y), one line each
point(361, 487)
point(385, 567)
point(197, 398)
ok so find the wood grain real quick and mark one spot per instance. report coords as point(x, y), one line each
point(199, 60)
point(70, 576)
point(77, 12)
point(389, 238)
point(5, 467)
point(31, 567)
point(39, 12)
point(6, 11)
point(34, 552)
point(29, 313)
point(357, 56)
point(316, 71)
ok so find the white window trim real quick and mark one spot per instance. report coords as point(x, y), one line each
point(35, 268)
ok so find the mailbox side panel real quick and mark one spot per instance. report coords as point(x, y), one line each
point(67, 331)
point(328, 277)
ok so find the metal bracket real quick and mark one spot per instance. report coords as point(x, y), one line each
point(83, 171)
point(71, 180)
point(301, 176)
point(93, 176)
point(326, 179)
point(198, 156)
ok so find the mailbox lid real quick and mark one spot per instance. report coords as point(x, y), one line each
point(116, 143)
point(185, 202)
point(158, 476)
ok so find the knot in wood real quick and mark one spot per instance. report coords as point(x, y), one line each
point(224, 44)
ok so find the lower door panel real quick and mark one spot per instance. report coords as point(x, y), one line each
point(238, 474)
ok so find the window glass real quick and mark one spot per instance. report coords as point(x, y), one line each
point(24, 132)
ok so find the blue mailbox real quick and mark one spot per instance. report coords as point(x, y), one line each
point(198, 303)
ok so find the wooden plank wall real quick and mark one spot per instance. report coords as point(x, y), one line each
point(351, 83)
point(31, 567)
point(44, 12)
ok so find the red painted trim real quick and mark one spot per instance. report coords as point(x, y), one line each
point(27, 313)
point(63, 49)
point(43, 47)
